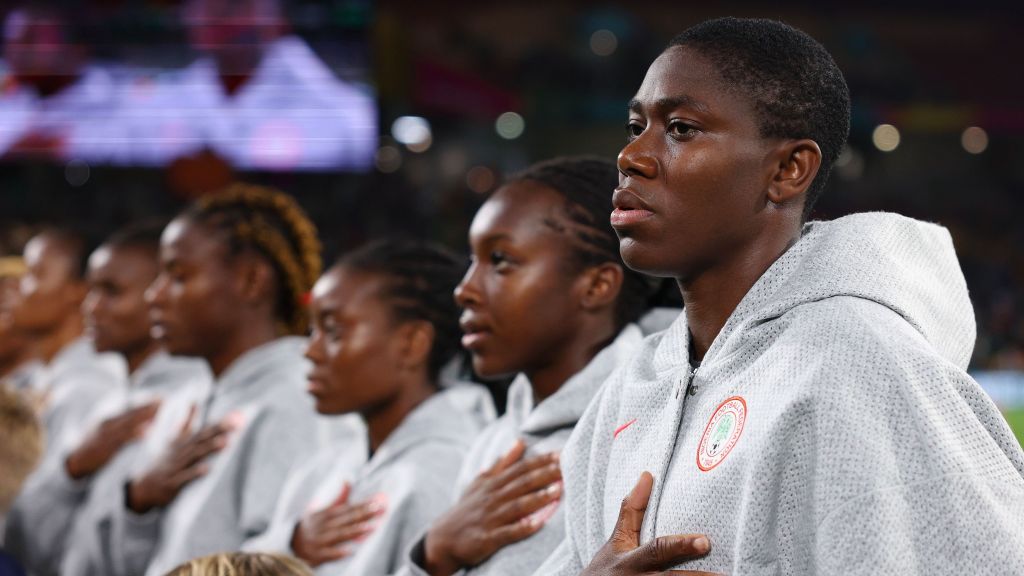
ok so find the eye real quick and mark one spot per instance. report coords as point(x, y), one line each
point(500, 260)
point(681, 130)
point(634, 128)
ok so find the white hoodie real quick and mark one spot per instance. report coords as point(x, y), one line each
point(830, 429)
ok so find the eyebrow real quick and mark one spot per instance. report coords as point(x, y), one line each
point(670, 103)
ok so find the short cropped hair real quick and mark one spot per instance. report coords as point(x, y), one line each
point(797, 89)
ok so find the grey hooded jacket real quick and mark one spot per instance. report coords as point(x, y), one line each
point(830, 429)
point(414, 470)
point(264, 389)
point(59, 521)
point(544, 428)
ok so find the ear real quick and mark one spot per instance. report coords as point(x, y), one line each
point(798, 163)
point(255, 279)
point(601, 287)
point(414, 340)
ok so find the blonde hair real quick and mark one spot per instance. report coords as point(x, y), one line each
point(243, 564)
point(21, 443)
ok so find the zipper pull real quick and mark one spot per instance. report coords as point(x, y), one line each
point(690, 390)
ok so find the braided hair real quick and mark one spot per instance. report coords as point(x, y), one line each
point(586, 184)
point(420, 279)
point(270, 223)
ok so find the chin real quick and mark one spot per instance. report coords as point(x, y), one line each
point(487, 367)
point(642, 258)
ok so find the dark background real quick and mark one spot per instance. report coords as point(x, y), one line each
point(930, 69)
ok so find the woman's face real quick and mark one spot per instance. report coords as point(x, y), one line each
point(196, 300)
point(694, 174)
point(115, 311)
point(355, 346)
point(521, 294)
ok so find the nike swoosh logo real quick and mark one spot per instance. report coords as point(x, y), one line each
point(623, 427)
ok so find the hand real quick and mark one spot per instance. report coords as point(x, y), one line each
point(181, 463)
point(623, 555)
point(104, 441)
point(497, 509)
point(319, 537)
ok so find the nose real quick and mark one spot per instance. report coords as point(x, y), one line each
point(467, 293)
point(636, 158)
point(91, 303)
point(315, 347)
point(156, 292)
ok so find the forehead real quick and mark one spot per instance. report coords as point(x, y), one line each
point(681, 76)
point(190, 241)
point(120, 259)
point(521, 208)
point(348, 290)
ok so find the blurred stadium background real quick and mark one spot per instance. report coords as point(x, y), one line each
point(462, 93)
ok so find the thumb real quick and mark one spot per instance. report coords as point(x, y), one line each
point(186, 427)
point(509, 458)
point(342, 498)
point(626, 535)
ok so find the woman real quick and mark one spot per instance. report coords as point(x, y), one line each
point(235, 269)
point(547, 297)
point(384, 324)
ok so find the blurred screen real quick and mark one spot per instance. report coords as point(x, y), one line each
point(257, 84)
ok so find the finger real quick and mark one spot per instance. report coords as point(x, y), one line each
point(511, 533)
point(523, 506)
point(186, 475)
point(353, 514)
point(144, 413)
point(631, 512)
point(340, 535)
point(526, 466)
point(200, 448)
point(186, 427)
point(509, 458)
point(668, 551)
point(325, 555)
point(529, 482)
point(342, 498)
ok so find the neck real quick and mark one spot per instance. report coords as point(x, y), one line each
point(382, 421)
point(67, 332)
point(572, 358)
point(247, 337)
point(710, 297)
point(138, 356)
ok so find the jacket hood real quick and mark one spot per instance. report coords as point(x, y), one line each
point(903, 264)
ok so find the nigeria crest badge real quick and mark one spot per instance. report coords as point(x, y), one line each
point(721, 433)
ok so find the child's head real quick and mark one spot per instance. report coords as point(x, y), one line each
point(242, 255)
point(730, 139)
point(546, 268)
point(119, 272)
point(383, 317)
point(243, 564)
point(21, 444)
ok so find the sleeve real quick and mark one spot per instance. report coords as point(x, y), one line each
point(290, 506)
point(950, 525)
point(916, 471)
point(411, 509)
point(564, 561)
point(284, 440)
point(134, 537)
point(39, 523)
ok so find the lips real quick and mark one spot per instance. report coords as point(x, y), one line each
point(629, 208)
point(475, 332)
